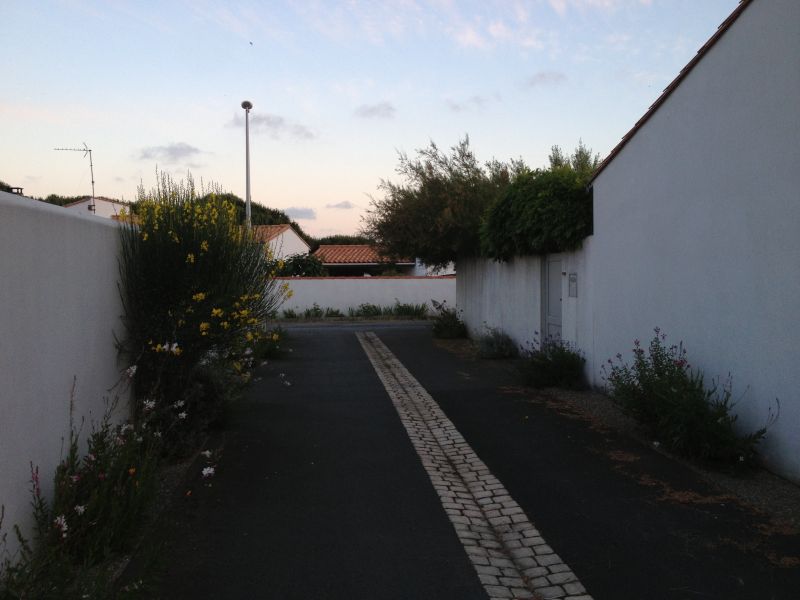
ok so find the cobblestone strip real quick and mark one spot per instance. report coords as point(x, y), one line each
point(511, 558)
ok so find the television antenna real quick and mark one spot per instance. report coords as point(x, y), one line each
point(86, 150)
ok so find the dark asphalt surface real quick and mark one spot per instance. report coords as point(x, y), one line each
point(319, 493)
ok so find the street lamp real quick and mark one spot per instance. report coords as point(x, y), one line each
point(247, 105)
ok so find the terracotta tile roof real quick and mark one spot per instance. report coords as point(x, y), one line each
point(266, 233)
point(355, 254)
point(724, 26)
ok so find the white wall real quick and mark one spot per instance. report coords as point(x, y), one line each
point(287, 244)
point(507, 296)
point(696, 225)
point(59, 309)
point(103, 208)
point(343, 293)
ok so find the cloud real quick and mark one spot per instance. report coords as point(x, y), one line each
point(471, 103)
point(171, 153)
point(546, 78)
point(274, 126)
point(560, 6)
point(345, 204)
point(299, 212)
point(381, 110)
point(469, 37)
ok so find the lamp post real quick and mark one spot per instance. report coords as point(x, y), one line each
point(247, 105)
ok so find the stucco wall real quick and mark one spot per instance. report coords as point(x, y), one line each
point(506, 295)
point(59, 308)
point(287, 244)
point(696, 225)
point(343, 293)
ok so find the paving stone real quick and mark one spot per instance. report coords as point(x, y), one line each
point(574, 588)
point(551, 592)
point(504, 547)
point(565, 577)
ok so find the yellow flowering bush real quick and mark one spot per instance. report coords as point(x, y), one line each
point(197, 291)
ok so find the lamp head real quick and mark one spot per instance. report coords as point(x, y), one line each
point(247, 105)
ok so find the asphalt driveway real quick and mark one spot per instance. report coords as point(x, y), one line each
point(320, 493)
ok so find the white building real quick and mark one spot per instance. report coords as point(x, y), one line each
point(696, 216)
point(104, 207)
point(282, 239)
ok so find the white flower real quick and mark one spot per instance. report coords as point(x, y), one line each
point(656, 444)
point(281, 375)
point(182, 415)
point(287, 383)
point(179, 404)
point(264, 363)
point(149, 404)
point(61, 523)
point(131, 371)
point(125, 427)
point(248, 351)
point(139, 439)
point(206, 453)
point(80, 509)
point(157, 434)
point(208, 472)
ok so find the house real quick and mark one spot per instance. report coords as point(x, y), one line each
point(104, 207)
point(282, 239)
point(695, 231)
point(358, 260)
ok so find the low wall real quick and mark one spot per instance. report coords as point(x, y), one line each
point(342, 293)
point(503, 295)
point(59, 311)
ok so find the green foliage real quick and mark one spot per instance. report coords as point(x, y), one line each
point(315, 312)
point(98, 505)
point(197, 290)
point(341, 240)
point(271, 345)
point(546, 210)
point(299, 265)
point(553, 362)
point(435, 214)
point(496, 344)
point(4, 187)
point(61, 200)
point(662, 392)
point(447, 323)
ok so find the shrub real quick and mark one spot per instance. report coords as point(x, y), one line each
point(98, 504)
point(315, 312)
point(553, 362)
point(662, 392)
point(289, 313)
point(414, 311)
point(299, 265)
point(197, 289)
point(271, 345)
point(447, 323)
point(496, 344)
point(333, 312)
point(366, 310)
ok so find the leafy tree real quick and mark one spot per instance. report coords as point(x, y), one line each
point(436, 213)
point(546, 210)
point(4, 187)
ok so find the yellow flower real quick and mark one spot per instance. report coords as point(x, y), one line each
point(144, 236)
point(176, 350)
point(217, 312)
point(237, 366)
point(174, 237)
point(204, 246)
point(275, 337)
point(199, 297)
point(190, 258)
point(132, 471)
point(224, 324)
point(204, 327)
point(249, 336)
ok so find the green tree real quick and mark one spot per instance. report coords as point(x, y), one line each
point(435, 214)
point(546, 210)
point(4, 187)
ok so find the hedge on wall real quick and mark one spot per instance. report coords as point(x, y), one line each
point(542, 211)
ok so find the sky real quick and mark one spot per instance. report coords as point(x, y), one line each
point(338, 89)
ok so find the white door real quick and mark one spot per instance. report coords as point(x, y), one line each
point(551, 296)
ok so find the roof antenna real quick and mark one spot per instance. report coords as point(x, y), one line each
point(86, 150)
